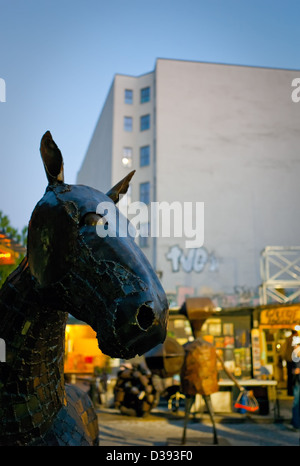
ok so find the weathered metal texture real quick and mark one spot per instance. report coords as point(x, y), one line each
point(199, 373)
point(199, 370)
point(166, 359)
point(106, 282)
point(134, 392)
point(197, 311)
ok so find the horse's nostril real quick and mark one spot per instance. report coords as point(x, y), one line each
point(145, 317)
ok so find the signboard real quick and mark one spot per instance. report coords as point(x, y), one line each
point(279, 317)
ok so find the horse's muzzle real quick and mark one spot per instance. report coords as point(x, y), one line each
point(138, 325)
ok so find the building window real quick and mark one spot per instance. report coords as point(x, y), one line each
point(144, 235)
point(127, 157)
point(145, 122)
point(145, 192)
point(127, 123)
point(145, 95)
point(128, 96)
point(144, 156)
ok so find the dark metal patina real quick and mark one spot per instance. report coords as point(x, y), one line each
point(105, 282)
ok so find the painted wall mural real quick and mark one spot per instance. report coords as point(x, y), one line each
point(201, 260)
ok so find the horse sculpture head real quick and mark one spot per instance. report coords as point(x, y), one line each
point(106, 282)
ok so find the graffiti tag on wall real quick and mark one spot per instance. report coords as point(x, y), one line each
point(195, 260)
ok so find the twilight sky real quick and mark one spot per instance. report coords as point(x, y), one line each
point(58, 59)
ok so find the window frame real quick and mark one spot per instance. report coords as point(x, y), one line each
point(145, 122)
point(128, 100)
point(126, 126)
point(145, 155)
point(145, 194)
point(144, 240)
point(127, 153)
point(145, 95)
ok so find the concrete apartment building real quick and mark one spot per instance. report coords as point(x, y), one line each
point(224, 135)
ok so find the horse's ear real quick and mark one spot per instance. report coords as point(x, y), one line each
point(120, 188)
point(52, 158)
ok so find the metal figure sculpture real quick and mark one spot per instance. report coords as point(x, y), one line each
point(199, 373)
point(134, 392)
point(165, 361)
point(106, 282)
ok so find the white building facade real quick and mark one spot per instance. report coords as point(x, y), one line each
point(223, 135)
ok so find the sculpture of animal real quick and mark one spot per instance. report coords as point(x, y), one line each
point(199, 373)
point(104, 281)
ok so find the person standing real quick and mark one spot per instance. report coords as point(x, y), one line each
point(287, 356)
point(296, 384)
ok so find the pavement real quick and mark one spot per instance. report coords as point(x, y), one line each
point(163, 428)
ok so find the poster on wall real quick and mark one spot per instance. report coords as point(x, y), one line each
point(256, 364)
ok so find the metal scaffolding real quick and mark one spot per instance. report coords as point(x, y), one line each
point(280, 274)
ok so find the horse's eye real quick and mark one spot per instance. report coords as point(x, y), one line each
point(92, 219)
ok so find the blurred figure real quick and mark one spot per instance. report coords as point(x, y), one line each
point(286, 355)
point(296, 383)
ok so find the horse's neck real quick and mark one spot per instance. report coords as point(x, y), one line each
point(31, 379)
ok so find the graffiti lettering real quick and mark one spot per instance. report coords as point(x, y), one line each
point(195, 259)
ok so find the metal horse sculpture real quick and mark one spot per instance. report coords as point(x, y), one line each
point(106, 282)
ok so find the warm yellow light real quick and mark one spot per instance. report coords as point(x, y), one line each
point(5, 255)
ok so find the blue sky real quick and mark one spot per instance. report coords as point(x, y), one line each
point(58, 59)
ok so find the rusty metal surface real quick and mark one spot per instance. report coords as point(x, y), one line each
point(199, 371)
point(105, 282)
point(135, 393)
point(166, 359)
